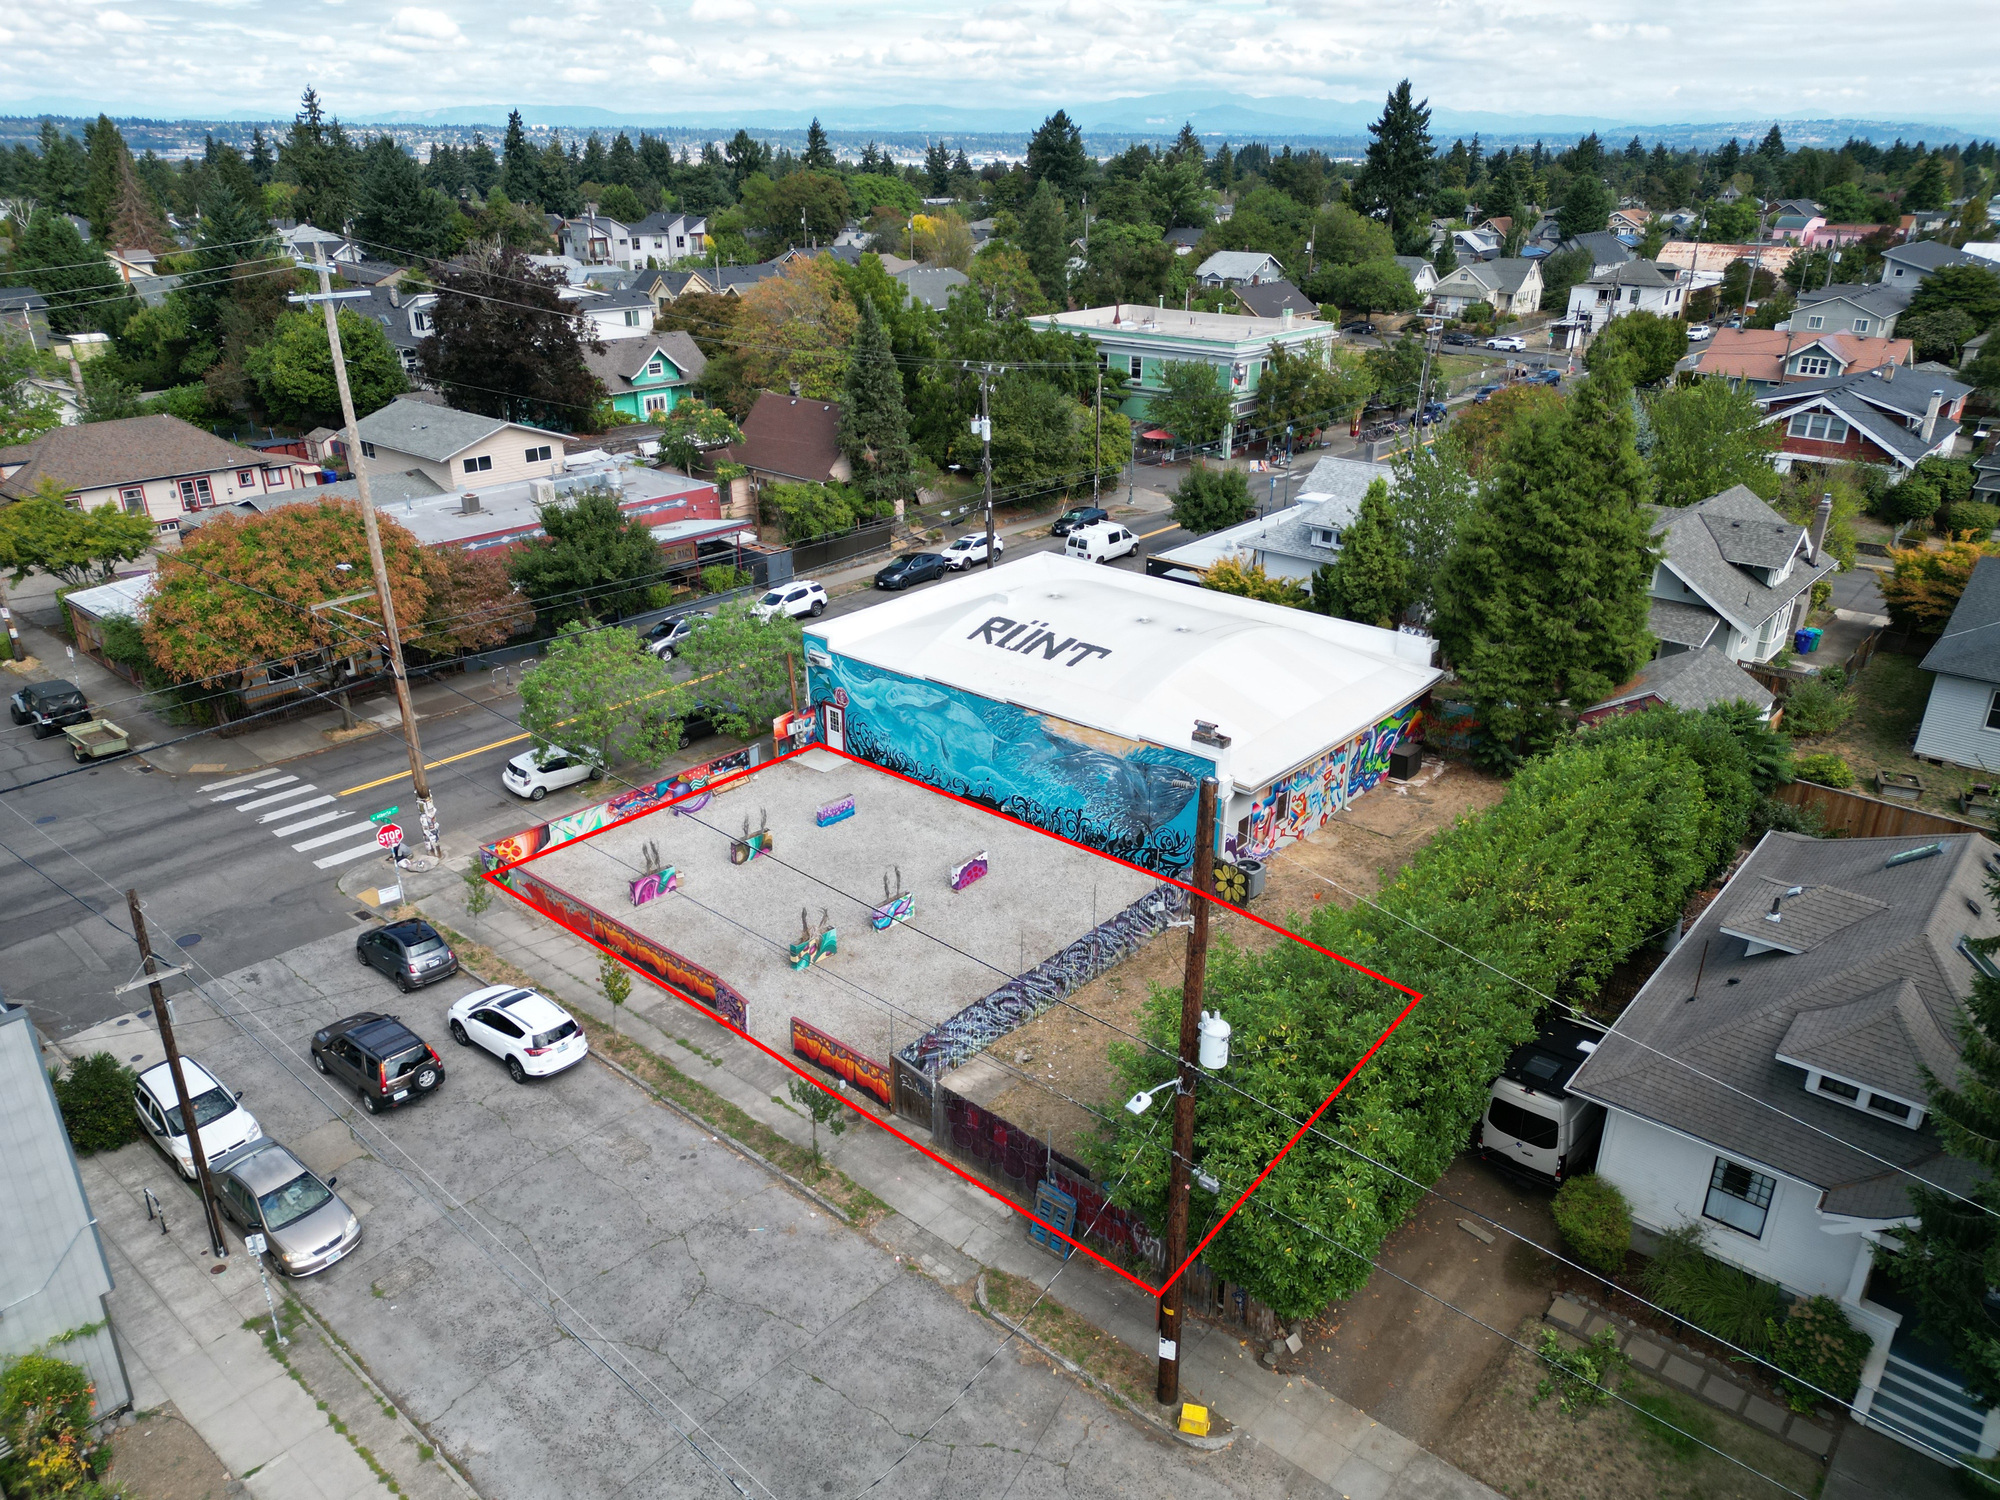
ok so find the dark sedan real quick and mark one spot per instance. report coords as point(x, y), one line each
point(1077, 519)
point(914, 567)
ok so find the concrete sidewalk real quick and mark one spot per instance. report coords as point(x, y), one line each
point(951, 1228)
point(306, 1428)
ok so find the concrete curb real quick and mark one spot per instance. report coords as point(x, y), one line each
point(1117, 1398)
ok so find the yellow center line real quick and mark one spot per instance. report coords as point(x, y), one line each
point(1147, 535)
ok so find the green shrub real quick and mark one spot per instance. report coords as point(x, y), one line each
point(722, 579)
point(1816, 707)
point(1718, 1299)
point(96, 1102)
point(1578, 1378)
point(1816, 1343)
point(1595, 1221)
point(1971, 515)
point(45, 1415)
point(1826, 769)
point(1787, 817)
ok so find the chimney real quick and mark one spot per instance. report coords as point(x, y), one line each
point(468, 504)
point(1822, 513)
point(1285, 318)
point(795, 390)
point(590, 210)
point(1931, 414)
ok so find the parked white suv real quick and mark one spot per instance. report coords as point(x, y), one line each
point(801, 597)
point(968, 550)
point(1508, 342)
point(529, 1032)
point(538, 772)
point(222, 1123)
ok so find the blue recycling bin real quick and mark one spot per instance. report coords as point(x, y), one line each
point(1805, 640)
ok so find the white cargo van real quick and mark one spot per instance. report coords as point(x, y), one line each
point(1100, 543)
point(1534, 1126)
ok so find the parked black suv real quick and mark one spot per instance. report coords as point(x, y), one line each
point(912, 567)
point(380, 1058)
point(49, 706)
point(411, 953)
point(1076, 520)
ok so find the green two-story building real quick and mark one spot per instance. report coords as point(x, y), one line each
point(1139, 341)
point(646, 378)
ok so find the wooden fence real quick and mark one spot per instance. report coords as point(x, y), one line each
point(1864, 817)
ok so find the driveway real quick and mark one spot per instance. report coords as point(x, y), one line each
point(580, 1293)
point(1406, 1359)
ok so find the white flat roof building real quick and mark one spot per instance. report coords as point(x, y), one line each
point(1117, 662)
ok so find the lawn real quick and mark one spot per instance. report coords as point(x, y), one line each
point(1888, 697)
point(1614, 1451)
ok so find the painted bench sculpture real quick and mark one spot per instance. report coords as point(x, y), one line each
point(897, 905)
point(747, 848)
point(659, 879)
point(836, 811)
point(814, 947)
point(973, 869)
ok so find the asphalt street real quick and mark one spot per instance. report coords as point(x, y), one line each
point(234, 868)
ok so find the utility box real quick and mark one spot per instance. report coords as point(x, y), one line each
point(1404, 762)
point(1194, 1419)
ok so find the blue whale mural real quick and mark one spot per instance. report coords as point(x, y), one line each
point(1139, 805)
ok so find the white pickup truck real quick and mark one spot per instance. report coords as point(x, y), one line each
point(1534, 1127)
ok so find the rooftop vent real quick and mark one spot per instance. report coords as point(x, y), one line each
point(1910, 856)
point(1206, 733)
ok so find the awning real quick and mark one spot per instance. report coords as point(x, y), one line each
point(1158, 435)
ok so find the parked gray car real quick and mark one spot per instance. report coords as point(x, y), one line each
point(269, 1191)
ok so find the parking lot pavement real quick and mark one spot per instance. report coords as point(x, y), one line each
point(579, 1293)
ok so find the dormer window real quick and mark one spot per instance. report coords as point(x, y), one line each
point(1326, 536)
point(656, 367)
point(1859, 1096)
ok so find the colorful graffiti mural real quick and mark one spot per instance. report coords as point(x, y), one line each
point(747, 848)
point(794, 731)
point(1301, 803)
point(652, 887)
point(532, 841)
point(836, 811)
point(898, 905)
point(853, 1068)
point(1131, 799)
point(814, 947)
point(655, 961)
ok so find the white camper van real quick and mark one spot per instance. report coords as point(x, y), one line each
point(1534, 1126)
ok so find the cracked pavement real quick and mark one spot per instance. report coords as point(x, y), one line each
point(580, 1293)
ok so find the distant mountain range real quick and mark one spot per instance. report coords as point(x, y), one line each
point(1232, 116)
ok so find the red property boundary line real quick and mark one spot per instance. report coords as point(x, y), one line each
point(494, 878)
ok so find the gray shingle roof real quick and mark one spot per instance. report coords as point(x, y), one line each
point(1970, 645)
point(1652, 1064)
point(1693, 680)
point(1331, 496)
point(127, 450)
point(1238, 265)
point(622, 359)
point(933, 285)
point(1882, 301)
point(1642, 273)
point(1605, 248)
point(426, 431)
point(1688, 540)
point(1888, 1037)
point(1270, 299)
point(1680, 624)
point(1928, 255)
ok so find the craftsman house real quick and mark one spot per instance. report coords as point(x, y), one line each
point(1764, 357)
point(1511, 287)
point(1962, 719)
point(791, 439)
point(1769, 1085)
point(1735, 575)
point(647, 378)
point(1872, 418)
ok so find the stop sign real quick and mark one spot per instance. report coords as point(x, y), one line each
point(389, 835)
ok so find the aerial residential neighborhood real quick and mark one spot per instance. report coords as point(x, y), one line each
point(1027, 753)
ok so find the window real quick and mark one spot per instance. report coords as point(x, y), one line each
point(479, 465)
point(1136, 364)
point(1838, 1089)
point(133, 497)
point(1818, 426)
point(1739, 1197)
point(423, 322)
point(278, 478)
point(1817, 320)
point(1812, 364)
point(367, 450)
point(1992, 709)
point(196, 493)
point(168, 528)
point(632, 317)
point(656, 403)
point(1895, 1109)
point(1983, 962)
point(1861, 325)
point(656, 367)
point(535, 455)
point(1632, 296)
point(247, 478)
point(1523, 1125)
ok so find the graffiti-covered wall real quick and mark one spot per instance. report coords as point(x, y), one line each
point(532, 841)
point(1131, 799)
point(1302, 802)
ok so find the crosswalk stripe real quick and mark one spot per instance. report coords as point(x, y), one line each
point(247, 790)
point(371, 847)
point(216, 786)
point(286, 795)
point(327, 838)
point(312, 822)
point(294, 810)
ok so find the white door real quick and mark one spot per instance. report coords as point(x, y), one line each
point(836, 726)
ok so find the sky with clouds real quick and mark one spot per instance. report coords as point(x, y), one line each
point(1696, 59)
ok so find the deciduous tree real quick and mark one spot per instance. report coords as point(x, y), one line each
point(748, 670)
point(600, 693)
point(1210, 497)
point(1434, 496)
point(692, 428)
point(1708, 436)
point(293, 369)
point(504, 343)
point(46, 534)
point(795, 327)
point(1924, 584)
point(1193, 403)
point(598, 563)
point(1648, 345)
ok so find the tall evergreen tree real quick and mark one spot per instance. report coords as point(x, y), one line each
point(558, 180)
point(482, 170)
point(315, 156)
point(818, 154)
point(65, 169)
point(83, 292)
point(1056, 156)
point(1396, 172)
point(105, 149)
point(521, 164)
point(1370, 580)
point(1586, 205)
point(1187, 146)
point(393, 211)
point(1951, 1257)
point(261, 163)
point(937, 168)
point(874, 427)
point(1542, 604)
point(1045, 239)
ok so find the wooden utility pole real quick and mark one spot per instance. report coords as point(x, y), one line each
point(1097, 462)
point(160, 1014)
point(1169, 1390)
point(327, 299)
point(986, 444)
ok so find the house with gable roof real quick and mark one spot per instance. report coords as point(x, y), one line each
point(1764, 357)
point(1962, 718)
point(1635, 286)
point(645, 379)
point(1906, 266)
point(1510, 285)
point(1238, 268)
point(1871, 418)
point(1768, 1085)
point(1734, 575)
point(1291, 543)
point(1849, 307)
point(456, 450)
